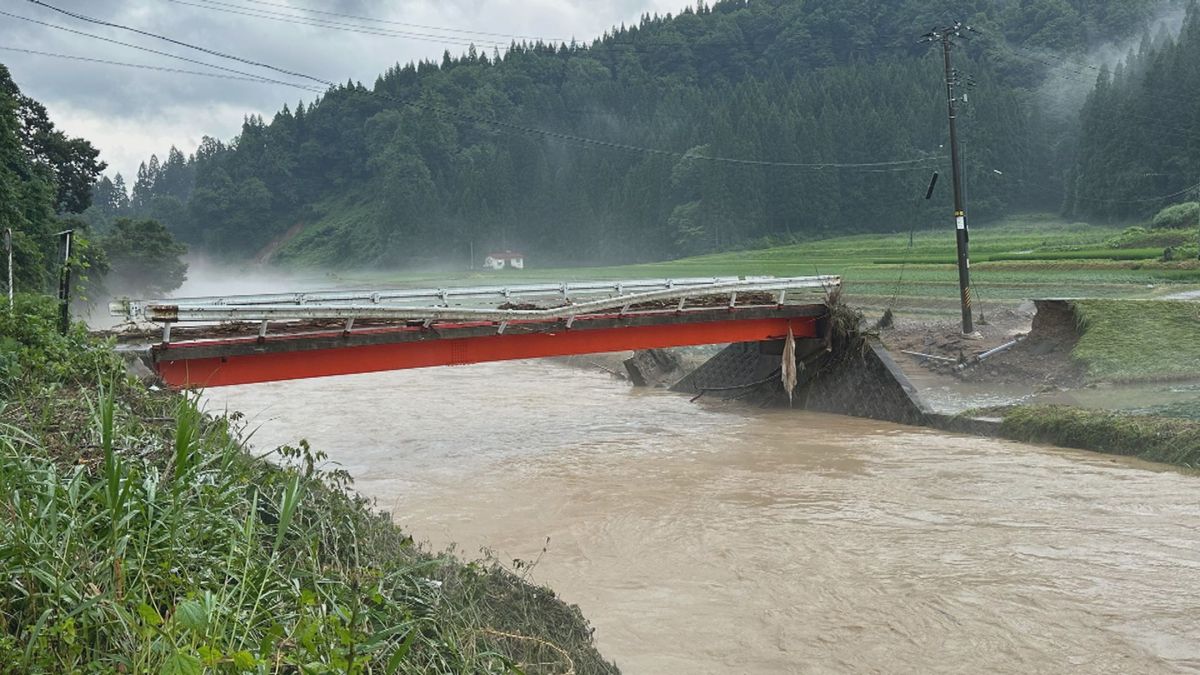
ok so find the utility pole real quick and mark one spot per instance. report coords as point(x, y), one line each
point(66, 237)
point(946, 35)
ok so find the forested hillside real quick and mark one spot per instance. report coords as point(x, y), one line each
point(1139, 143)
point(836, 105)
point(45, 178)
point(47, 181)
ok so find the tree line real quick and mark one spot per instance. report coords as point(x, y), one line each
point(619, 150)
point(1139, 133)
point(46, 181)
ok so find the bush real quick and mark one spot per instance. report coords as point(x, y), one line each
point(1185, 215)
point(34, 353)
point(144, 257)
point(1140, 237)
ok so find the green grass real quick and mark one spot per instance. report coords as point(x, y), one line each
point(336, 237)
point(1157, 439)
point(140, 536)
point(1030, 256)
point(1131, 340)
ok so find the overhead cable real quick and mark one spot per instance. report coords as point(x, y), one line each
point(299, 20)
point(142, 66)
point(395, 23)
point(212, 52)
point(156, 52)
point(1146, 200)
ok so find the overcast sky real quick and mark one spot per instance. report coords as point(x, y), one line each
point(131, 113)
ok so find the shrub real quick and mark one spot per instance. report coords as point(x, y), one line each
point(1185, 215)
point(33, 351)
point(1140, 237)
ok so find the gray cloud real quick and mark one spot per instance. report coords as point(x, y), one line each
point(131, 113)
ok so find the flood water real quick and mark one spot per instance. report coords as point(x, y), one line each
point(710, 538)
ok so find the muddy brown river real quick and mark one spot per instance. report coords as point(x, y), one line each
point(711, 538)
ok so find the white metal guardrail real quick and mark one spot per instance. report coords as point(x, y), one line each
point(571, 300)
point(444, 295)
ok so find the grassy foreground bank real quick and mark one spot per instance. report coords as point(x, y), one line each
point(139, 535)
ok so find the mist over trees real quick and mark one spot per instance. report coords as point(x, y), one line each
point(478, 150)
point(144, 258)
point(1139, 134)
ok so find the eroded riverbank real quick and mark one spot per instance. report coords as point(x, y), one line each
point(704, 538)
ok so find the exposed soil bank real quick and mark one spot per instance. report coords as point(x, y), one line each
point(1067, 344)
point(1047, 334)
point(1044, 358)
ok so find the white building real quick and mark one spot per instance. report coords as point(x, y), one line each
point(499, 261)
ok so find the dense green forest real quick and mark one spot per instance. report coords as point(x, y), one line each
point(1139, 138)
point(44, 178)
point(47, 181)
point(619, 150)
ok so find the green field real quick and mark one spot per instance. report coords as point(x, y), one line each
point(1032, 256)
point(1135, 341)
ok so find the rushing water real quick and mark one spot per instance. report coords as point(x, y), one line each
point(712, 538)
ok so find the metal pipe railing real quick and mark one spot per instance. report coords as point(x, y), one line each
point(566, 290)
point(384, 304)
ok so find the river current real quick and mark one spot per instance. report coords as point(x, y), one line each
point(715, 538)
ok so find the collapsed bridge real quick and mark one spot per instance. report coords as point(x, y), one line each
point(242, 339)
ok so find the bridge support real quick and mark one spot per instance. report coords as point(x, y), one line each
point(750, 369)
point(853, 376)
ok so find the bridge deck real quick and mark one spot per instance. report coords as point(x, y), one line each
point(316, 335)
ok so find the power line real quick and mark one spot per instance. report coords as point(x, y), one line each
point(1084, 78)
point(156, 52)
point(1147, 200)
point(917, 163)
point(1063, 60)
point(212, 52)
point(902, 166)
point(397, 23)
point(1159, 125)
point(511, 36)
point(135, 65)
point(913, 163)
point(597, 43)
point(299, 20)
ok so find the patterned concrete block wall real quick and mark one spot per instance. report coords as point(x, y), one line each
point(864, 381)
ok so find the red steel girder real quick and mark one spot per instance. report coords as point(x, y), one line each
point(179, 371)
